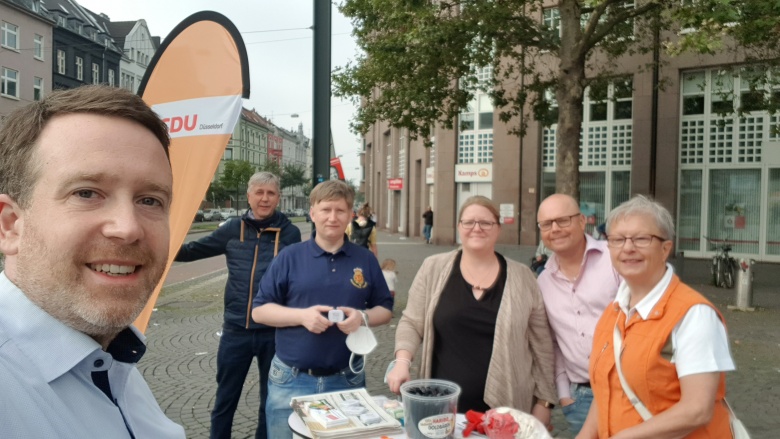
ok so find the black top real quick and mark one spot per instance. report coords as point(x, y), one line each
point(463, 335)
point(361, 235)
point(428, 217)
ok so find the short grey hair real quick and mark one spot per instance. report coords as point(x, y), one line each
point(641, 205)
point(261, 178)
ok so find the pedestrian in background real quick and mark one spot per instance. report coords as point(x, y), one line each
point(390, 274)
point(249, 244)
point(540, 258)
point(362, 230)
point(302, 285)
point(671, 342)
point(463, 303)
point(578, 282)
point(427, 224)
point(85, 195)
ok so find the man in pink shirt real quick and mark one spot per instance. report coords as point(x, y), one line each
point(577, 285)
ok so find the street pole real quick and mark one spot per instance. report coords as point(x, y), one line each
point(321, 97)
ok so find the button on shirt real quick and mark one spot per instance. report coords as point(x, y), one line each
point(574, 309)
point(47, 384)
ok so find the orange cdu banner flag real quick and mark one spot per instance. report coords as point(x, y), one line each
point(195, 82)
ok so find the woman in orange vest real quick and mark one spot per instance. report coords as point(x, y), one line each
point(672, 342)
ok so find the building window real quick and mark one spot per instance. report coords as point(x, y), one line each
point(10, 36)
point(95, 73)
point(38, 47)
point(79, 68)
point(61, 21)
point(228, 154)
point(37, 88)
point(111, 77)
point(551, 17)
point(10, 83)
point(61, 62)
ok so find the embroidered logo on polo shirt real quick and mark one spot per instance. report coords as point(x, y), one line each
point(358, 280)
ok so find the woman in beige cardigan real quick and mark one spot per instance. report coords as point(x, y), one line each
point(480, 321)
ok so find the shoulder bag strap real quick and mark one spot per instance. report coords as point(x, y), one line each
point(618, 345)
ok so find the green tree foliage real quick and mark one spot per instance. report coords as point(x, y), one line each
point(236, 175)
point(217, 194)
point(292, 176)
point(421, 58)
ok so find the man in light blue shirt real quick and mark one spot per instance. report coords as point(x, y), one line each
point(85, 195)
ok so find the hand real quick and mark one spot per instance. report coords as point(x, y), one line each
point(352, 322)
point(313, 320)
point(539, 258)
point(566, 401)
point(397, 376)
point(543, 414)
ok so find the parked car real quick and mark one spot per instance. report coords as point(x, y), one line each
point(227, 213)
point(298, 212)
point(308, 217)
point(211, 215)
point(199, 216)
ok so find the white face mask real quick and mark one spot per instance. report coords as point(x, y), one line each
point(361, 342)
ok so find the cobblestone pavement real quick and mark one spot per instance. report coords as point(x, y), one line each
point(180, 364)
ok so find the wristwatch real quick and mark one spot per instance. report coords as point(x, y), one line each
point(545, 404)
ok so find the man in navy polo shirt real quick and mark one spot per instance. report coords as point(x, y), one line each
point(302, 284)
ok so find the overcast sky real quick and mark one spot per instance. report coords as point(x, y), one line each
point(280, 59)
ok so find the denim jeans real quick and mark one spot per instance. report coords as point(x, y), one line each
point(285, 382)
point(427, 231)
point(576, 413)
point(237, 348)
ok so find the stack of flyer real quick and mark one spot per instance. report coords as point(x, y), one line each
point(345, 414)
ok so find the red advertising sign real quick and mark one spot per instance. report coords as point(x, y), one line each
point(395, 184)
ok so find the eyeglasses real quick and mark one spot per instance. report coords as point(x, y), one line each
point(484, 225)
point(640, 241)
point(564, 221)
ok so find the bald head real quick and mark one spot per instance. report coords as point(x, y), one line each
point(562, 225)
point(558, 202)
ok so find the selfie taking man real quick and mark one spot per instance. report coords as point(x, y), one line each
point(85, 195)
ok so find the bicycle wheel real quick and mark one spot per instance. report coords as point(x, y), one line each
point(714, 270)
point(717, 271)
point(729, 272)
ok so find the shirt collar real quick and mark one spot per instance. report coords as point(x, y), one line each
point(50, 345)
point(591, 244)
point(649, 301)
point(347, 249)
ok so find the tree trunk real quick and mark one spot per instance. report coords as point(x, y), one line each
point(569, 95)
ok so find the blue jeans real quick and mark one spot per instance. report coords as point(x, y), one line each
point(285, 382)
point(576, 413)
point(427, 231)
point(237, 348)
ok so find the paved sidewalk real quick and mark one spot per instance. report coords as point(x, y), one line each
point(180, 364)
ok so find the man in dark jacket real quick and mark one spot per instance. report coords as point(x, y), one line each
point(249, 243)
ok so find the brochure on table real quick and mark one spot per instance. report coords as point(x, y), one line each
point(349, 413)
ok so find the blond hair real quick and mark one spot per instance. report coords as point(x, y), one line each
point(388, 264)
point(332, 190)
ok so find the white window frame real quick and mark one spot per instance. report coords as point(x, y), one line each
point(10, 30)
point(95, 73)
point(38, 45)
point(37, 88)
point(7, 79)
point(61, 61)
point(79, 68)
point(111, 77)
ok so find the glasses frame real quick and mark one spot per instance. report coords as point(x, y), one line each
point(481, 227)
point(556, 221)
point(631, 238)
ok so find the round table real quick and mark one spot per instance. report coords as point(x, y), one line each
point(300, 431)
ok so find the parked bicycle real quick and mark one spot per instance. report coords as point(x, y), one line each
point(724, 266)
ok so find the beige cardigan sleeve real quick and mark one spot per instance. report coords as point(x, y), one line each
point(417, 319)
